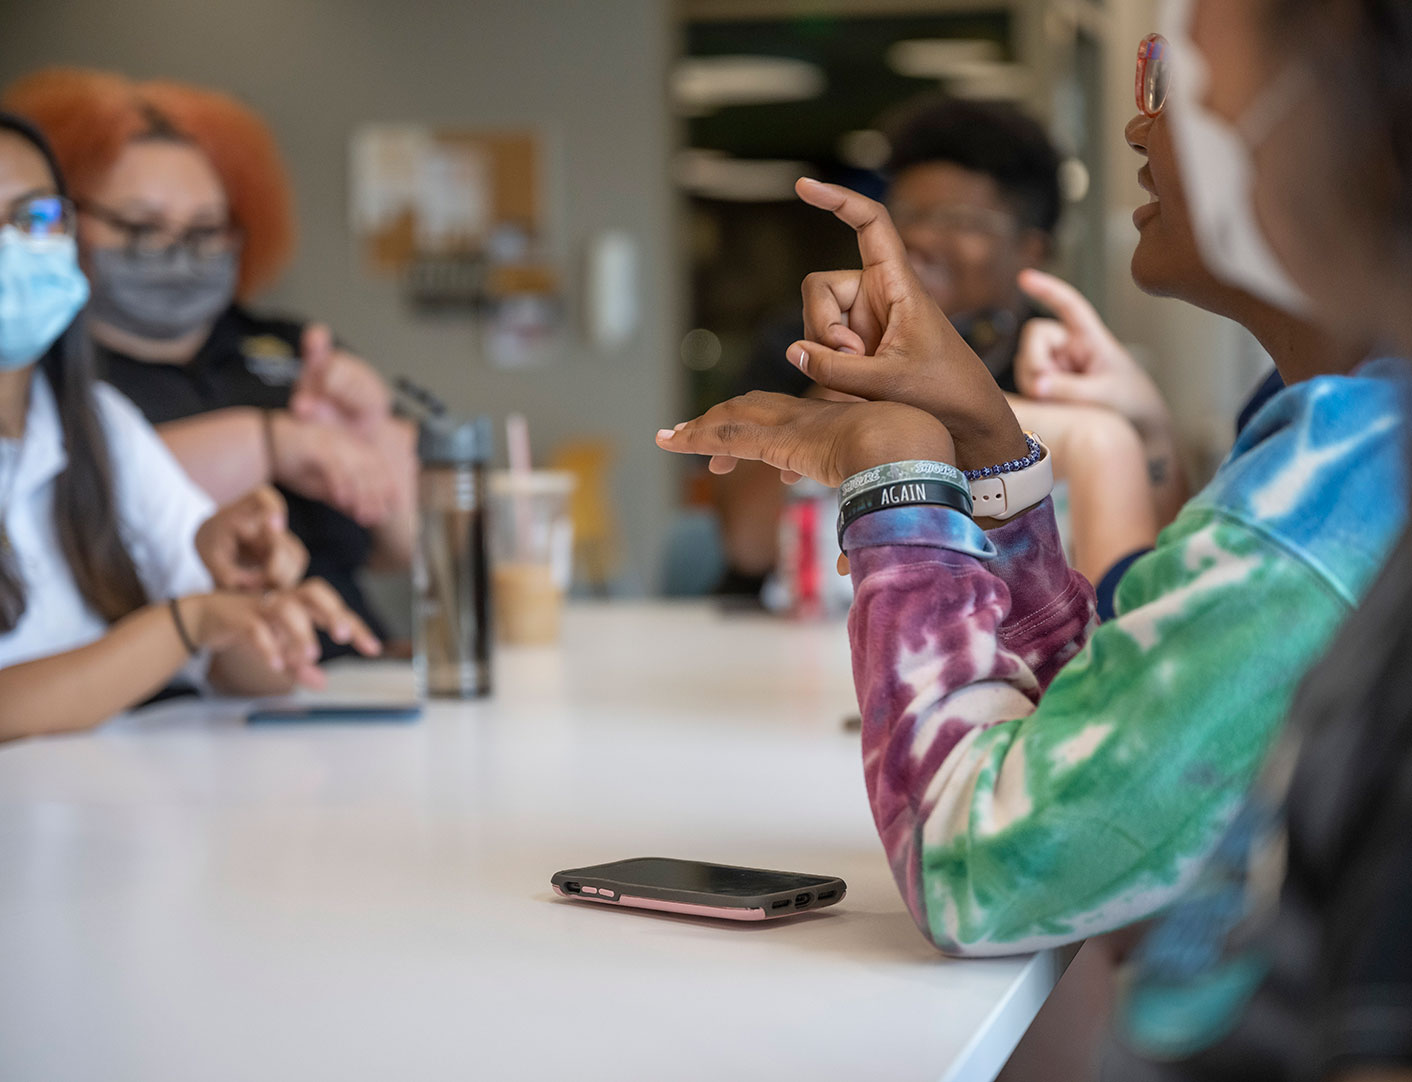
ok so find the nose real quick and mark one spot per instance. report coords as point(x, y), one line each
point(1137, 131)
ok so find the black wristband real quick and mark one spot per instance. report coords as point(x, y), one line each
point(902, 494)
point(191, 647)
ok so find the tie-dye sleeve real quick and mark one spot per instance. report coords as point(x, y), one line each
point(1036, 779)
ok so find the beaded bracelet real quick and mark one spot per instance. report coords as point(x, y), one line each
point(1014, 465)
point(902, 494)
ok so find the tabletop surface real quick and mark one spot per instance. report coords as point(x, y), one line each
point(185, 897)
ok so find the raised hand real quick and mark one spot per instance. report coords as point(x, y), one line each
point(336, 387)
point(877, 334)
point(326, 462)
point(1076, 358)
point(247, 545)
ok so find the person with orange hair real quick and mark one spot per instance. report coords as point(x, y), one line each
point(185, 213)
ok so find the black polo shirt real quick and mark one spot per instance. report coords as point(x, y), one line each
point(250, 361)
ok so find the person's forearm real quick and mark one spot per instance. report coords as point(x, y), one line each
point(1112, 510)
point(79, 688)
point(1012, 826)
point(225, 452)
point(1166, 468)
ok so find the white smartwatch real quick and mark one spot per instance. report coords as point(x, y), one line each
point(1005, 495)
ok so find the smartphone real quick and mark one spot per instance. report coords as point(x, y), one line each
point(699, 889)
point(314, 713)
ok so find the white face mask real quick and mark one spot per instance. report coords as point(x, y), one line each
point(1218, 169)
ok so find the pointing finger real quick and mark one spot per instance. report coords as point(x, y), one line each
point(878, 241)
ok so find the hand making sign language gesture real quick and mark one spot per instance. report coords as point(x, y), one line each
point(876, 334)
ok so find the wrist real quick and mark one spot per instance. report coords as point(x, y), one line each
point(987, 444)
point(276, 432)
point(881, 446)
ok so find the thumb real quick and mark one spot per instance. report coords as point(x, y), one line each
point(848, 373)
point(316, 353)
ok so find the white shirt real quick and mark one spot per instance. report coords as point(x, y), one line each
point(159, 511)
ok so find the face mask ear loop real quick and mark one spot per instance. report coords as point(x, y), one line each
point(1273, 104)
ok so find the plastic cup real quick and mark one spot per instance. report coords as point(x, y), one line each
point(532, 554)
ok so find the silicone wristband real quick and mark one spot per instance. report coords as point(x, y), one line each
point(903, 494)
point(893, 472)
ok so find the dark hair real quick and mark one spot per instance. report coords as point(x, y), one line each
point(984, 137)
point(85, 507)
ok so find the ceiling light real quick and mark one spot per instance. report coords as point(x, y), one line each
point(703, 83)
point(940, 58)
point(711, 174)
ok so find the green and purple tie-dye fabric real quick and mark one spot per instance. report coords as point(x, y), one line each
point(1037, 778)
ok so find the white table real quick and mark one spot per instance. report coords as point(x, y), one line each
point(183, 898)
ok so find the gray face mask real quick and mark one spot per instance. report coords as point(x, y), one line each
point(161, 295)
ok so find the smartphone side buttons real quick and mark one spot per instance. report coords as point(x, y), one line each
point(589, 890)
point(604, 892)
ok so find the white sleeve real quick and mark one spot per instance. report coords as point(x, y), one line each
point(159, 507)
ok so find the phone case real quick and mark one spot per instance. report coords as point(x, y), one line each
point(598, 883)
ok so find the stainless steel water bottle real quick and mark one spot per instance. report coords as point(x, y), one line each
point(451, 573)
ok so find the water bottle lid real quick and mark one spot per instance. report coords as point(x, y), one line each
point(455, 441)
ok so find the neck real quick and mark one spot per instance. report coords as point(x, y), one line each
point(171, 351)
point(14, 401)
point(1299, 349)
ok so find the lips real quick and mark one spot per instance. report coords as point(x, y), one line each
point(1152, 207)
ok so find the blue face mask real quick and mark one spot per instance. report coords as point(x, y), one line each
point(41, 291)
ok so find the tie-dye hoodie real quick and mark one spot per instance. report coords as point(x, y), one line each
point(1038, 778)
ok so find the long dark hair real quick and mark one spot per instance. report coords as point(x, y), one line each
point(85, 504)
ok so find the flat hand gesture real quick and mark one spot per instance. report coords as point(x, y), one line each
point(808, 437)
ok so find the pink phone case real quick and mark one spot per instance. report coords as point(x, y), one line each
point(723, 912)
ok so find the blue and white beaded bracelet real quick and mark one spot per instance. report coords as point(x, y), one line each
point(1014, 465)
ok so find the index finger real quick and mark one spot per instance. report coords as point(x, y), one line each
point(1063, 300)
point(878, 241)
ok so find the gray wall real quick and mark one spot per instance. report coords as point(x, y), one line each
point(589, 75)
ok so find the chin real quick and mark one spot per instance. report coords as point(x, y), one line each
point(1150, 274)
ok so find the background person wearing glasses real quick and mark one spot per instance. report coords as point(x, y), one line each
point(115, 574)
point(184, 211)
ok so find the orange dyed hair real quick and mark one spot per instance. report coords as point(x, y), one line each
point(90, 116)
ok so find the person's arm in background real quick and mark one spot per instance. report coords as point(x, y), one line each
point(230, 451)
point(262, 645)
point(394, 535)
point(1076, 359)
point(1112, 510)
point(340, 389)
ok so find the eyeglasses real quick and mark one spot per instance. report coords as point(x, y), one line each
point(954, 220)
point(151, 238)
point(42, 216)
point(1153, 73)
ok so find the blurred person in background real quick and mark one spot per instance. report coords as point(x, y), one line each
point(185, 212)
point(974, 191)
point(1037, 780)
point(107, 550)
